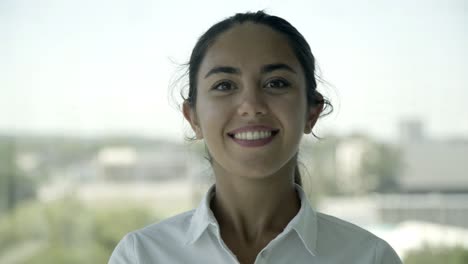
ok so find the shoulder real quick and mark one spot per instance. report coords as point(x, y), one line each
point(155, 237)
point(171, 228)
point(340, 228)
point(334, 233)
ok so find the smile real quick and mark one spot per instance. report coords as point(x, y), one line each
point(253, 138)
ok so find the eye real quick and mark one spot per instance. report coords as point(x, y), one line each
point(223, 86)
point(277, 83)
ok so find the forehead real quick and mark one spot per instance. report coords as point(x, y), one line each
point(249, 46)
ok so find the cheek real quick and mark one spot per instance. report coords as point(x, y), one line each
point(292, 113)
point(212, 115)
point(293, 118)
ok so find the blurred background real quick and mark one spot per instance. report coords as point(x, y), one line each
point(92, 141)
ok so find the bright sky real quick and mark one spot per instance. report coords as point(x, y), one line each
point(104, 67)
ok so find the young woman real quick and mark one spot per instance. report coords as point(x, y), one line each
point(252, 95)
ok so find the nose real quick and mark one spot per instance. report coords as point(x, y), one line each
point(252, 103)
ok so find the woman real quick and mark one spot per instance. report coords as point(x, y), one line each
point(252, 95)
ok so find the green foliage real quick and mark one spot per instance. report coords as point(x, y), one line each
point(437, 255)
point(380, 166)
point(22, 224)
point(15, 186)
point(90, 253)
point(70, 231)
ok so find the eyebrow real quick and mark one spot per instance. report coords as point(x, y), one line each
point(267, 68)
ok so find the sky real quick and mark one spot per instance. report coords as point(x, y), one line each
point(106, 67)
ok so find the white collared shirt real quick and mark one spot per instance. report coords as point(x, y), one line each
point(310, 237)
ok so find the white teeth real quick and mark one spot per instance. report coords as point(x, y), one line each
point(256, 135)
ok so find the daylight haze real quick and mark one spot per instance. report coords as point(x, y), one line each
point(105, 67)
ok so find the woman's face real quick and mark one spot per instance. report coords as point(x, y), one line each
point(250, 76)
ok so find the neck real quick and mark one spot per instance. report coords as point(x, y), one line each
point(253, 209)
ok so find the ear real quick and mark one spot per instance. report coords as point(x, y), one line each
point(191, 117)
point(314, 113)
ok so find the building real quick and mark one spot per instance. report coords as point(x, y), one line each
point(431, 165)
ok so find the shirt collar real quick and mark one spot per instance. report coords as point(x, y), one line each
point(202, 217)
point(304, 223)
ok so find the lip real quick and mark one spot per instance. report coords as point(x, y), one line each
point(252, 128)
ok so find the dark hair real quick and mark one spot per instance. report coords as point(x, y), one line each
point(297, 42)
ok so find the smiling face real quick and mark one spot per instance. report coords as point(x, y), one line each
point(251, 76)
